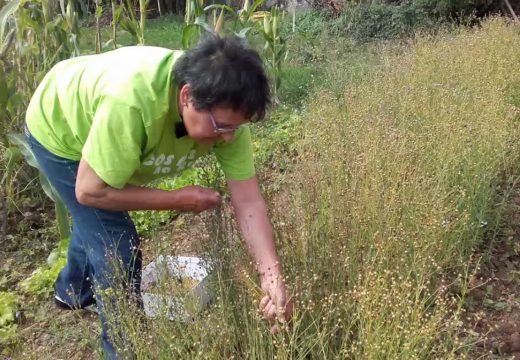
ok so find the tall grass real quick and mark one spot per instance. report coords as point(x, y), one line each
point(393, 189)
point(397, 184)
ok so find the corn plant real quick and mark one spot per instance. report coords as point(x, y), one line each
point(98, 13)
point(115, 20)
point(246, 21)
point(242, 20)
point(62, 216)
point(195, 22)
point(34, 36)
point(275, 50)
point(128, 20)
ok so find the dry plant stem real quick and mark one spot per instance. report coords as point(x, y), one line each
point(114, 25)
point(511, 10)
point(7, 44)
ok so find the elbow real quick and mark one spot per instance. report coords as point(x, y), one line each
point(88, 198)
point(83, 197)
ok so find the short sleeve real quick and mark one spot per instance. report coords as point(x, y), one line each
point(114, 143)
point(236, 157)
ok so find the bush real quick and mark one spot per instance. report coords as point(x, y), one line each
point(8, 327)
point(382, 21)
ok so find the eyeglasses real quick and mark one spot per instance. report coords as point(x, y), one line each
point(219, 129)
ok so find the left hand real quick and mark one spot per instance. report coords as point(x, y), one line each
point(275, 305)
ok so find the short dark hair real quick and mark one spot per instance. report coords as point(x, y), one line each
point(225, 72)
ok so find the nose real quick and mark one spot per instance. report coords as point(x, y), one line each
point(227, 137)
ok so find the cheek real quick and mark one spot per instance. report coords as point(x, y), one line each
point(197, 126)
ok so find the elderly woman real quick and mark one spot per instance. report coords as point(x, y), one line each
point(103, 125)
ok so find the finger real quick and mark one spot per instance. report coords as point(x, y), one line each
point(274, 329)
point(271, 312)
point(266, 309)
point(263, 303)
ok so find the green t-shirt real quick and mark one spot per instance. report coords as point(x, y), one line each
point(118, 111)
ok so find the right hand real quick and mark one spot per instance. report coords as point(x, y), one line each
point(196, 199)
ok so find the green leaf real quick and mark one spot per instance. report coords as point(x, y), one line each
point(118, 13)
point(242, 33)
point(8, 303)
point(201, 21)
point(42, 280)
point(14, 156)
point(255, 6)
point(190, 34)
point(129, 26)
point(63, 7)
point(61, 211)
point(4, 89)
point(8, 334)
point(220, 6)
point(20, 141)
point(107, 44)
point(59, 253)
point(9, 9)
point(62, 218)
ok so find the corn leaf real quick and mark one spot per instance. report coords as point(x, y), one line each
point(8, 10)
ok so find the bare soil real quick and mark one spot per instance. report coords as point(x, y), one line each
point(493, 304)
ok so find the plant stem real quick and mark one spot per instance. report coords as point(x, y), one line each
point(114, 25)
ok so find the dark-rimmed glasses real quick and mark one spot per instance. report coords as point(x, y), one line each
point(219, 129)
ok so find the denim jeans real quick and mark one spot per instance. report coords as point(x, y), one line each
point(98, 237)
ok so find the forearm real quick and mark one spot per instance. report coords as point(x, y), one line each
point(130, 198)
point(257, 233)
point(92, 191)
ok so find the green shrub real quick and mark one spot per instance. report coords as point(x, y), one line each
point(8, 327)
point(147, 221)
point(381, 21)
point(41, 281)
point(297, 82)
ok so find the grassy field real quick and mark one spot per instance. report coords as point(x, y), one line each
point(393, 188)
point(164, 31)
point(382, 168)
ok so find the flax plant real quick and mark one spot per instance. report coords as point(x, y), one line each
point(398, 179)
point(393, 188)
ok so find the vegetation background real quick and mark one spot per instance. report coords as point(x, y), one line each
point(390, 163)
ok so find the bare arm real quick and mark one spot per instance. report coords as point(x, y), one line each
point(92, 191)
point(251, 213)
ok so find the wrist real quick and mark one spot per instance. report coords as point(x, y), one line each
point(270, 270)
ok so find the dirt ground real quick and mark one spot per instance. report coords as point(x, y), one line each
point(493, 304)
point(47, 332)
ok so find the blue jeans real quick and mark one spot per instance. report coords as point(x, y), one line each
point(98, 237)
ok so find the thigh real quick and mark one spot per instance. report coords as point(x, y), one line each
point(101, 231)
point(61, 173)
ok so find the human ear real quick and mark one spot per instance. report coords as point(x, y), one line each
point(185, 95)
